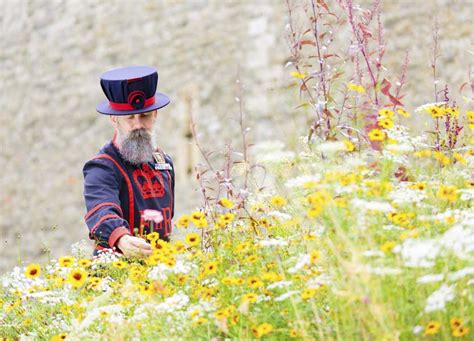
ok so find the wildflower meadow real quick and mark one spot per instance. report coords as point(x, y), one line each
point(363, 229)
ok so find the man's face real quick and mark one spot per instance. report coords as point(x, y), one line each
point(125, 124)
point(135, 138)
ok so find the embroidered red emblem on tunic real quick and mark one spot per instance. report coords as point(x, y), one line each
point(149, 182)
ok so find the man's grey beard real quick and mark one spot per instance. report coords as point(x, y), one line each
point(136, 147)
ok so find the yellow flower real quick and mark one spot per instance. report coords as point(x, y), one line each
point(59, 281)
point(254, 282)
point(33, 270)
point(179, 246)
point(460, 331)
point(450, 220)
point(340, 202)
point(459, 158)
point(226, 218)
point(77, 277)
point(470, 116)
point(386, 123)
point(251, 297)
point(136, 273)
point(94, 283)
point(402, 219)
point(103, 313)
point(435, 111)
point(146, 289)
point(207, 293)
point(386, 113)
point(293, 333)
point(224, 202)
point(314, 256)
point(26, 322)
point(432, 328)
point(58, 337)
point(319, 198)
point(251, 259)
point(195, 313)
point(11, 306)
point(356, 87)
point(271, 277)
point(278, 201)
point(261, 330)
point(192, 239)
point(238, 281)
point(209, 268)
point(202, 223)
point(453, 111)
point(200, 321)
point(448, 193)
point(84, 262)
point(309, 236)
point(162, 245)
point(314, 212)
point(421, 186)
point(423, 153)
point(456, 322)
point(170, 261)
point(349, 145)
point(403, 112)
point(66, 261)
point(298, 75)
point(264, 222)
point(310, 184)
point(183, 221)
point(308, 293)
point(443, 159)
point(258, 207)
point(153, 237)
point(234, 320)
point(265, 328)
point(376, 135)
point(227, 280)
point(181, 279)
point(197, 215)
point(388, 246)
point(221, 313)
point(119, 264)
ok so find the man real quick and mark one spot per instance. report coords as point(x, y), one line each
point(129, 174)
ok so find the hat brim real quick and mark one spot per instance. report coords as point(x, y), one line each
point(161, 100)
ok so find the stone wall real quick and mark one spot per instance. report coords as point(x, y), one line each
point(53, 52)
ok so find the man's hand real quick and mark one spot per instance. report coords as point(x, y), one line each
point(133, 246)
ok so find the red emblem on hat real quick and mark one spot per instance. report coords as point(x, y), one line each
point(136, 99)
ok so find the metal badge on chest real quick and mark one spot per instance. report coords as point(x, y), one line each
point(160, 162)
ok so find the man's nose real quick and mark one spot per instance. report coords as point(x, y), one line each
point(137, 122)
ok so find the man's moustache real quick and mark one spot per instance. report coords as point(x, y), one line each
point(139, 133)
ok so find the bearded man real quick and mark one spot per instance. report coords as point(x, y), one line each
point(130, 174)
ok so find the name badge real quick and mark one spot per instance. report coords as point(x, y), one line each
point(163, 166)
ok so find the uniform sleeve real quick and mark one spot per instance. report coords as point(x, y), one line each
point(104, 216)
point(172, 184)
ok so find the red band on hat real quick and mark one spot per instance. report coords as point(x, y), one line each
point(126, 106)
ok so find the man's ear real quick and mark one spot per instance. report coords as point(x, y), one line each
point(113, 120)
